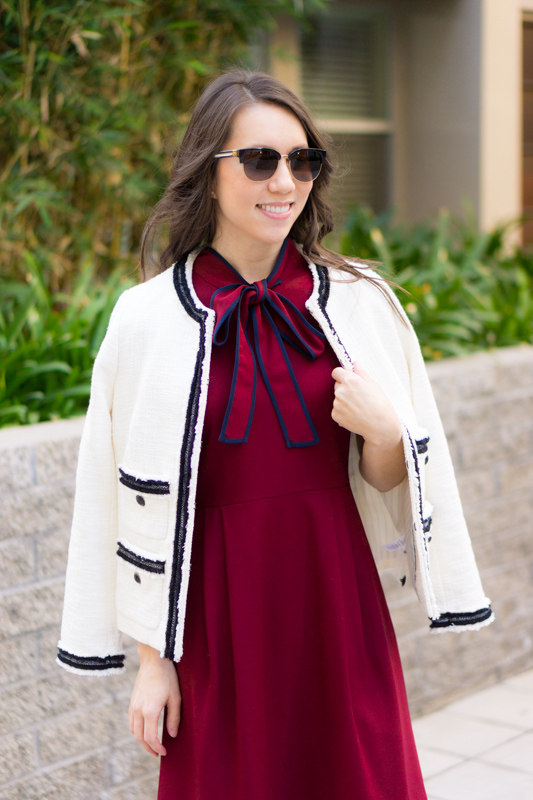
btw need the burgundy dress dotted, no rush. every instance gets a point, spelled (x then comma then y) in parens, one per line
(291, 682)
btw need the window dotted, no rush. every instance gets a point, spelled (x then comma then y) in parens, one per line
(344, 80)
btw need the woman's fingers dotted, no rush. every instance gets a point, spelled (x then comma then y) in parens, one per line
(156, 686)
(173, 713)
(360, 405)
(141, 730)
(339, 374)
(358, 370)
(151, 719)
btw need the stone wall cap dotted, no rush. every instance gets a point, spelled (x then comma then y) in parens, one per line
(520, 353)
(20, 435)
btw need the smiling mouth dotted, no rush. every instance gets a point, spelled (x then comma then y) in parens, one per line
(275, 209)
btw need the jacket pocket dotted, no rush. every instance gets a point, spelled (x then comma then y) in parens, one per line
(143, 505)
(140, 582)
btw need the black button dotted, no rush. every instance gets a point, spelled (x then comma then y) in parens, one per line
(140, 499)
(137, 577)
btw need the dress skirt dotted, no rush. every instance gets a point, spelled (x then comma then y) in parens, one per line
(291, 681)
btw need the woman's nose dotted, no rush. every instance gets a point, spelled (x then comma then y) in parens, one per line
(282, 180)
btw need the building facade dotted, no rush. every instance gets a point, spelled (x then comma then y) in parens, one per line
(430, 102)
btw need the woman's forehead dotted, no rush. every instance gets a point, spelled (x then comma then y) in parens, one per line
(266, 125)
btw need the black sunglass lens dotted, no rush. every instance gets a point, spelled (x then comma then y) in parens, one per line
(260, 165)
(306, 165)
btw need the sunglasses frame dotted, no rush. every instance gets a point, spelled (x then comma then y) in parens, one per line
(241, 155)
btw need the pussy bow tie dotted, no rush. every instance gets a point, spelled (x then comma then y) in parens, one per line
(265, 322)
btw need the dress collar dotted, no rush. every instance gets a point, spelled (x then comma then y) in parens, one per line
(263, 322)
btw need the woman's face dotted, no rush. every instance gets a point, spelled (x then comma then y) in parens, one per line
(250, 212)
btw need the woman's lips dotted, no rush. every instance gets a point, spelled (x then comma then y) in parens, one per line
(276, 210)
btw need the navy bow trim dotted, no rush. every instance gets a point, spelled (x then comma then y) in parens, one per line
(265, 322)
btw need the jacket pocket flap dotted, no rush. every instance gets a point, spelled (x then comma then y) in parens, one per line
(143, 505)
(140, 560)
(148, 485)
(140, 587)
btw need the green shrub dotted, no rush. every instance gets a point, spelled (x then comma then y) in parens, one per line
(48, 342)
(464, 290)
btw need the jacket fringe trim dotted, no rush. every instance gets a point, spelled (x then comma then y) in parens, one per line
(149, 486)
(322, 299)
(462, 621)
(421, 525)
(91, 673)
(101, 665)
(149, 564)
(178, 592)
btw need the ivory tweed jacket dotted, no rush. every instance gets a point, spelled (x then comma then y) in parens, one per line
(130, 550)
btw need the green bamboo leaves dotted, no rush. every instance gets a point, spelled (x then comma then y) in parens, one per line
(95, 94)
(94, 97)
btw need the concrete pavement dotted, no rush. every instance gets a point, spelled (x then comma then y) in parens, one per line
(480, 747)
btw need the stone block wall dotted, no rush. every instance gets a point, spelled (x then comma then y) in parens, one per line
(486, 404)
(64, 737)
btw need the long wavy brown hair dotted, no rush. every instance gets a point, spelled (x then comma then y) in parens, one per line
(187, 210)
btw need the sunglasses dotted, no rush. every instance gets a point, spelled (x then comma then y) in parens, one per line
(260, 163)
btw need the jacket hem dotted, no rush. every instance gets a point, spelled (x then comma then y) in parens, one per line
(86, 665)
(466, 621)
(91, 673)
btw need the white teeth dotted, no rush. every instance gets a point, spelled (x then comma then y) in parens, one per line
(276, 209)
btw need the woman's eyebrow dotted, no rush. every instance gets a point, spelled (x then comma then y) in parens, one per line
(271, 147)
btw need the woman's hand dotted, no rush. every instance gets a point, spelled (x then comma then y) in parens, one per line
(361, 406)
(156, 686)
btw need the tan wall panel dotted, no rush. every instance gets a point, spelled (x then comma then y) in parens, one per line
(501, 110)
(285, 62)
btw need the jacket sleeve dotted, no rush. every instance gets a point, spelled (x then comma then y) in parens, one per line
(455, 581)
(90, 641)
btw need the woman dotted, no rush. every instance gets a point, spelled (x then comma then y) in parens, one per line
(271, 398)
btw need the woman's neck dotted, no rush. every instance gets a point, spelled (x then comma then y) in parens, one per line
(254, 263)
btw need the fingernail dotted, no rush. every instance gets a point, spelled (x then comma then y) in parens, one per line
(173, 732)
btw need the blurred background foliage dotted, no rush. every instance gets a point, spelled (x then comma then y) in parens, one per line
(464, 290)
(95, 95)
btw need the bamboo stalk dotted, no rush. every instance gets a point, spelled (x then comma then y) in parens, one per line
(24, 24)
(19, 152)
(30, 66)
(117, 228)
(125, 54)
(45, 108)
